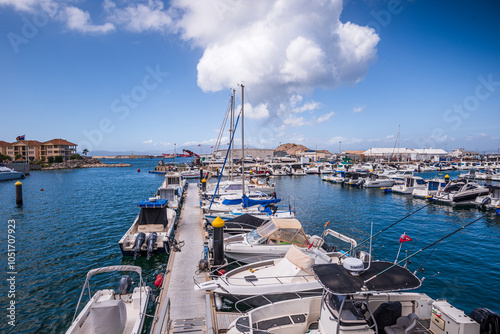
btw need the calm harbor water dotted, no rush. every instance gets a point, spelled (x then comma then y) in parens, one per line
(74, 225)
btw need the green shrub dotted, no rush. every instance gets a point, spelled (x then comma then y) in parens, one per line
(75, 156)
(58, 158)
(50, 160)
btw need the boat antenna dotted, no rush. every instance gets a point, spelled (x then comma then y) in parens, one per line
(400, 220)
(422, 249)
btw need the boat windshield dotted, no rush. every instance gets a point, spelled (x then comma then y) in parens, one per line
(254, 238)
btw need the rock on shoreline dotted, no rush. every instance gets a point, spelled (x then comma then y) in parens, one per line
(83, 163)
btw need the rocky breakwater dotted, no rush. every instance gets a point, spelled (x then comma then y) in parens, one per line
(83, 163)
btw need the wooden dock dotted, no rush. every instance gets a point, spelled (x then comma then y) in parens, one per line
(181, 309)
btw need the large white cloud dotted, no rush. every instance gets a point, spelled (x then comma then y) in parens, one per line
(277, 48)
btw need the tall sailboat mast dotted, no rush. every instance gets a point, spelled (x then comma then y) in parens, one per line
(231, 130)
(243, 138)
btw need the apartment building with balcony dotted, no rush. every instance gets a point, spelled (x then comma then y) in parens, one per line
(31, 150)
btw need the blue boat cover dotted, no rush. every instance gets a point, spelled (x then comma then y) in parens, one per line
(159, 203)
(232, 201)
(247, 202)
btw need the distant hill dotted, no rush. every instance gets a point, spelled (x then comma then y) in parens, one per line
(294, 149)
(291, 149)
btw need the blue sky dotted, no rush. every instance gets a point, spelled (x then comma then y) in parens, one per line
(141, 76)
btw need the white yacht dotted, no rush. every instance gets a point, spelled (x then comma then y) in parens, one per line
(109, 311)
(378, 181)
(432, 187)
(274, 280)
(460, 191)
(172, 189)
(410, 183)
(269, 241)
(491, 201)
(9, 174)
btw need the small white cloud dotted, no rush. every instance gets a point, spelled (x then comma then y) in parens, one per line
(325, 117)
(387, 138)
(294, 121)
(258, 112)
(149, 141)
(140, 17)
(309, 106)
(79, 20)
(20, 5)
(495, 137)
(358, 109)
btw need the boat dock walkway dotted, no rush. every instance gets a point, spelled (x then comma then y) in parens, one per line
(180, 308)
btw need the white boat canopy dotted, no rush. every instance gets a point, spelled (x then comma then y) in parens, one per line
(284, 231)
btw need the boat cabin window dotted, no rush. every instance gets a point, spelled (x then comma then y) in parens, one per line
(254, 238)
(420, 181)
(173, 180)
(233, 187)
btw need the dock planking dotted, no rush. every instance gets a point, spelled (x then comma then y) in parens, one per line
(188, 308)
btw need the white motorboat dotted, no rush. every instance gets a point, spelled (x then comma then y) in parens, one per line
(401, 174)
(410, 183)
(251, 202)
(151, 231)
(270, 241)
(190, 173)
(491, 201)
(278, 279)
(172, 189)
(9, 174)
(377, 181)
(432, 187)
(460, 191)
(358, 300)
(110, 312)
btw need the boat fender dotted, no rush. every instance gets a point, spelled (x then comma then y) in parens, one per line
(125, 284)
(138, 169)
(159, 280)
(151, 243)
(139, 240)
(218, 301)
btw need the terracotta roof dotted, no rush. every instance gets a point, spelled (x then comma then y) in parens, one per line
(26, 143)
(4, 143)
(59, 141)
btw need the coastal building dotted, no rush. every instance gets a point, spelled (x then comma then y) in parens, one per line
(31, 150)
(404, 154)
(250, 153)
(316, 155)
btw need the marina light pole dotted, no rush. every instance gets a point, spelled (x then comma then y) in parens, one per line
(339, 148)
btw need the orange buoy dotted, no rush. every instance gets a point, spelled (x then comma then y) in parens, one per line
(42, 189)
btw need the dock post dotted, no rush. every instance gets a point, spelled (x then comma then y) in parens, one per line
(19, 193)
(204, 185)
(446, 178)
(218, 225)
(201, 173)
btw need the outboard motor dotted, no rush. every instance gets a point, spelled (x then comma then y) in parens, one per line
(151, 243)
(361, 182)
(141, 237)
(484, 202)
(124, 285)
(488, 320)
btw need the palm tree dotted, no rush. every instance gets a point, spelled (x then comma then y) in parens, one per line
(85, 151)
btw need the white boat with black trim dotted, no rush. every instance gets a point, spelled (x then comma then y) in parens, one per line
(108, 311)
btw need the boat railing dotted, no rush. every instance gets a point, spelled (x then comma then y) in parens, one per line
(265, 300)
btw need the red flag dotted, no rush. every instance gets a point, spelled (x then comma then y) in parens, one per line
(199, 144)
(404, 238)
(211, 147)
